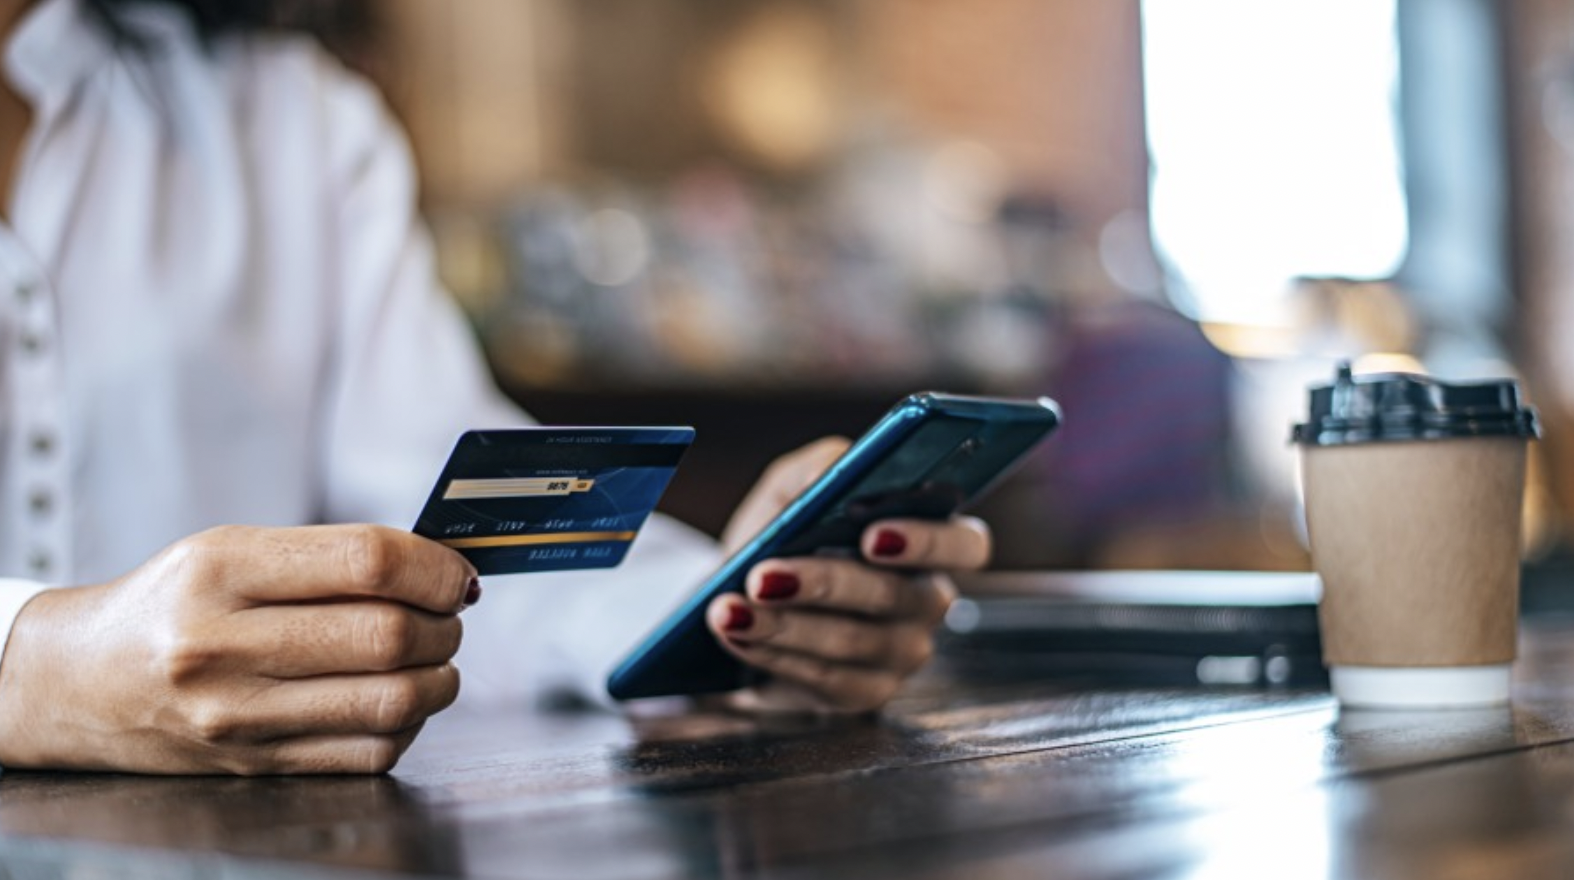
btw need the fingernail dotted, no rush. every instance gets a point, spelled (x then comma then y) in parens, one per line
(472, 592)
(779, 585)
(889, 543)
(738, 617)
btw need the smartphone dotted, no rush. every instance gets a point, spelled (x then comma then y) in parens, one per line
(928, 457)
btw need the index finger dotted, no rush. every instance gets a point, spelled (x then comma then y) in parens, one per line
(845, 585)
(961, 543)
(323, 563)
(783, 480)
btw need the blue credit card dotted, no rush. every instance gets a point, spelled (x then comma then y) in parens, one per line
(550, 499)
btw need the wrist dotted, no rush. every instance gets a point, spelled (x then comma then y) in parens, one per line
(43, 657)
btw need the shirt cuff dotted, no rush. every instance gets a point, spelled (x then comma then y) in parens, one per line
(14, 596)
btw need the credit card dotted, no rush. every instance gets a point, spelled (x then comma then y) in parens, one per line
(550, 499)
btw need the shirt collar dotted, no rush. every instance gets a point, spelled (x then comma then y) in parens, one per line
(55, 45)
(59, 43)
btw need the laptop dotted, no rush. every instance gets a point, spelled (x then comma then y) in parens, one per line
(1203, 627)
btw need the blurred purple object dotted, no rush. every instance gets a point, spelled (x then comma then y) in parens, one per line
(1147, 432)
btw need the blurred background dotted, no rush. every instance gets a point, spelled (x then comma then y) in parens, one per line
(772, 218)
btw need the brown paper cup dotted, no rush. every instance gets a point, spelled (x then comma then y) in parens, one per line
(1417, 544)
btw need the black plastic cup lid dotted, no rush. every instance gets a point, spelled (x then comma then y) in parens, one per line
(1392, 407)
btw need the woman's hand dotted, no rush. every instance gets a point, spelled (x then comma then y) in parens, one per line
(840, 634)
(241, 650)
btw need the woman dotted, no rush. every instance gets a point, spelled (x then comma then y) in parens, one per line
(219, 308)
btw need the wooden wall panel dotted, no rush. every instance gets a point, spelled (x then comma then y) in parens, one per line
(1540, 94)
(1053, 86)
(498, 93)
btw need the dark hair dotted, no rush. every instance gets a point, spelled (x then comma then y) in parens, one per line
(345, 26)
(211, 16)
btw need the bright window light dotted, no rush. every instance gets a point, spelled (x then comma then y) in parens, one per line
(1273, 137)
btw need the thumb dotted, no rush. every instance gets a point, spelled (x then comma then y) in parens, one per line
(784, 480)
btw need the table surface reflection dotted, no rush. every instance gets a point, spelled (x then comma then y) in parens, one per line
(1018, 776)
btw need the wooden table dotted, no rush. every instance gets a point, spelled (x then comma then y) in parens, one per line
(977, 779)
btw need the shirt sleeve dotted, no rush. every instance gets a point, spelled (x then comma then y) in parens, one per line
(410, 379)
(409, 376)
(544, 637)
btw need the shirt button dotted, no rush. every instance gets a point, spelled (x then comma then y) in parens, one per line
(32, 343)
(40, 502)
(41, 443)
(25, 290)
(39, 563)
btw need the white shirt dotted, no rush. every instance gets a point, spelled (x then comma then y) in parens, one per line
(217, 306)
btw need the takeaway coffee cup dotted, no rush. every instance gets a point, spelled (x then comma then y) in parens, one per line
(1413, 492)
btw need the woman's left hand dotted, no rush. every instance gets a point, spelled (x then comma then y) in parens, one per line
(840, 634)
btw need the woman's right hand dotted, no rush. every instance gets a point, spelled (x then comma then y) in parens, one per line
(240, 650)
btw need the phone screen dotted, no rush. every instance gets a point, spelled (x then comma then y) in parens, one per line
(945, 463)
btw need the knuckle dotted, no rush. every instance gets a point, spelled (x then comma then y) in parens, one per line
(891, 645)
(820, 583)
(818, 635)
(769, 626)
(378, 755)
(777, 467)
(201, 557)
(213, 722)
(247, 763)
(885, 596)
(184, 660)
(862, 694)
(764, 657)
(984, 540)
(925, 544)
(450, 686)
(827, 448)
(370, 556)
(395, 705)
(882, 692)
(208, 539)
(440, 690)
(944, 592)
(782, 474)
(799, 466)
(386, 635)
(916, 652)
(453, 630)
(822, 677)
(843, 583)
(869, 645)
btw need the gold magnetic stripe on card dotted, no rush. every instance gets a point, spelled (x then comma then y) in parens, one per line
(522, 540)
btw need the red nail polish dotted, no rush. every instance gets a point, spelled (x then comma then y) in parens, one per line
(779, 585)
(738, 617)
(889, 543)
(472, 592)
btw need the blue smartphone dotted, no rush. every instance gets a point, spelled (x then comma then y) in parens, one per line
(927, 457)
